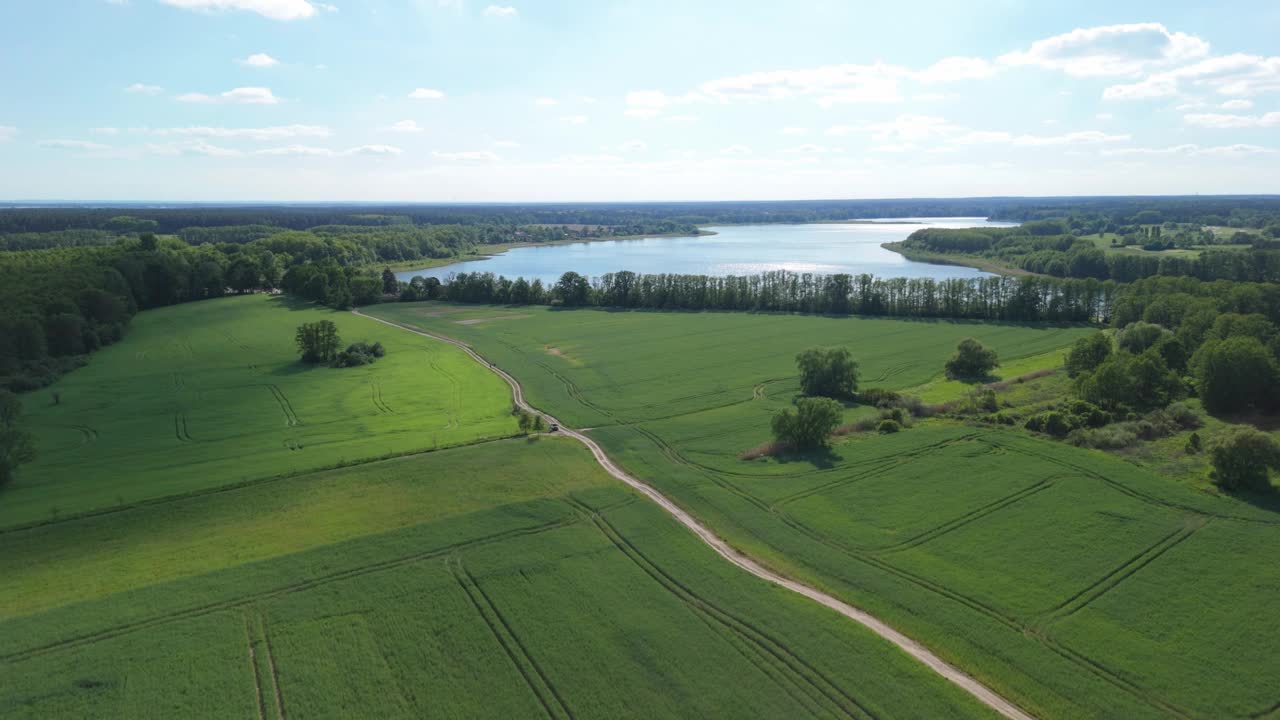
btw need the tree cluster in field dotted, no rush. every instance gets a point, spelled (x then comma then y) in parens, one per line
(318, 343)
(972, 361)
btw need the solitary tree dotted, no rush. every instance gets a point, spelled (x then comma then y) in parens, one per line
(810, 425)
(828, 372)
(16, 447)
(1243, 458)
(390, 286)
(318, 341)
(971, 361)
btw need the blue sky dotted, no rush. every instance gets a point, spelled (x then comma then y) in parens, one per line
(559, 100)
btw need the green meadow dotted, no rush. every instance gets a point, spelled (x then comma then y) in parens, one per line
(1070, 581)
(210, 394)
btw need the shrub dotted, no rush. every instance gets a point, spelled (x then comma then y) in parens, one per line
(1242, 459)
(1052, 423)
(888, 426)
(879, 397)
(1193, 445)
(1111, 437)
(358, 354)
(971, 361)
(809, 425)
(1234, 374)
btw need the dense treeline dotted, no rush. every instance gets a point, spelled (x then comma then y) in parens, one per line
(59, 238)
(1025, 299)
(1048, 247)
(647, 218)
(63, 303)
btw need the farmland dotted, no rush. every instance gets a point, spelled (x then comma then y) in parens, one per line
(1063, 578)
(505, 579)
(206, 395)
(495, 578)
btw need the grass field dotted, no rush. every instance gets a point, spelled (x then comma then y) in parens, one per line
(208, 394)
(1063, 578)
(505, 579)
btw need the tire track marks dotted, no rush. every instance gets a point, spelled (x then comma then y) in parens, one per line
(286, 408)
(534, 677)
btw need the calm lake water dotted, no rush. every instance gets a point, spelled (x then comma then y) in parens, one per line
(735, 250)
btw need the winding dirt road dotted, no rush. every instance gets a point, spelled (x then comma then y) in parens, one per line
(984, 694)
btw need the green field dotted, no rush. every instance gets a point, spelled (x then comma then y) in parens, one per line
(506, 579)
(208, 394)
(1070, 581)
(499, 578)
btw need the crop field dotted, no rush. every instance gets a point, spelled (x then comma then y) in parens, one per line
(1070, 581)
(208, 394)
(504, 579)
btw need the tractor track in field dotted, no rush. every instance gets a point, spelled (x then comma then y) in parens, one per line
(913, 648)
(244, 601)
(180, 428)
(290, 417)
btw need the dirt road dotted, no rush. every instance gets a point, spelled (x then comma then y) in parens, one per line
(964, 681)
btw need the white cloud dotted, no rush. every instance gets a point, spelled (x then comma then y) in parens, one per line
(1237, 105)
(652, 103)
(373, 150)
(426, 94)
(506, 144)
(259, 60)
(794, 131)
(237, 96)
(313, 151)
(502, 12)
(908, 128)
(201, 147)
(406, 126)
(574, 119)
(589, 159)
(736, 150)
(810, 149)
(953, 69)
(545, 102)
(1173, 150)
(141, 89)
(468, 156)
(274, 9)
(105, 131)
(7, 132)
(631, 146)
(1238, 74)
(1193, 150)
(74, 145)
(1085, 137)
(1104, 116)
(830, 84)
(1223, 121)
(1237, 150)
(264, 133)
(1109, 50)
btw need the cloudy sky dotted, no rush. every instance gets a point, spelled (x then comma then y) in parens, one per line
(462, 100)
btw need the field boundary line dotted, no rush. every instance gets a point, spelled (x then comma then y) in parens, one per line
(271, 664)
(916, 650)
(253, 667)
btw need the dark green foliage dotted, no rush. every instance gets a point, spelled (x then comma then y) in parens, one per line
(1088, 353)
(318, 341)
(1130, 382)
(1242, 459)
(16, 446)
(1234, 374)
(390, 286)
(879, 397)
(530, 423)
(1194, 444)
(828, 372)
(1053, 423)
(358, 354)
(972, 361)
(810, 425)
(1139, 336)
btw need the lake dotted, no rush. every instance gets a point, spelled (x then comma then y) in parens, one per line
(823, 249)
